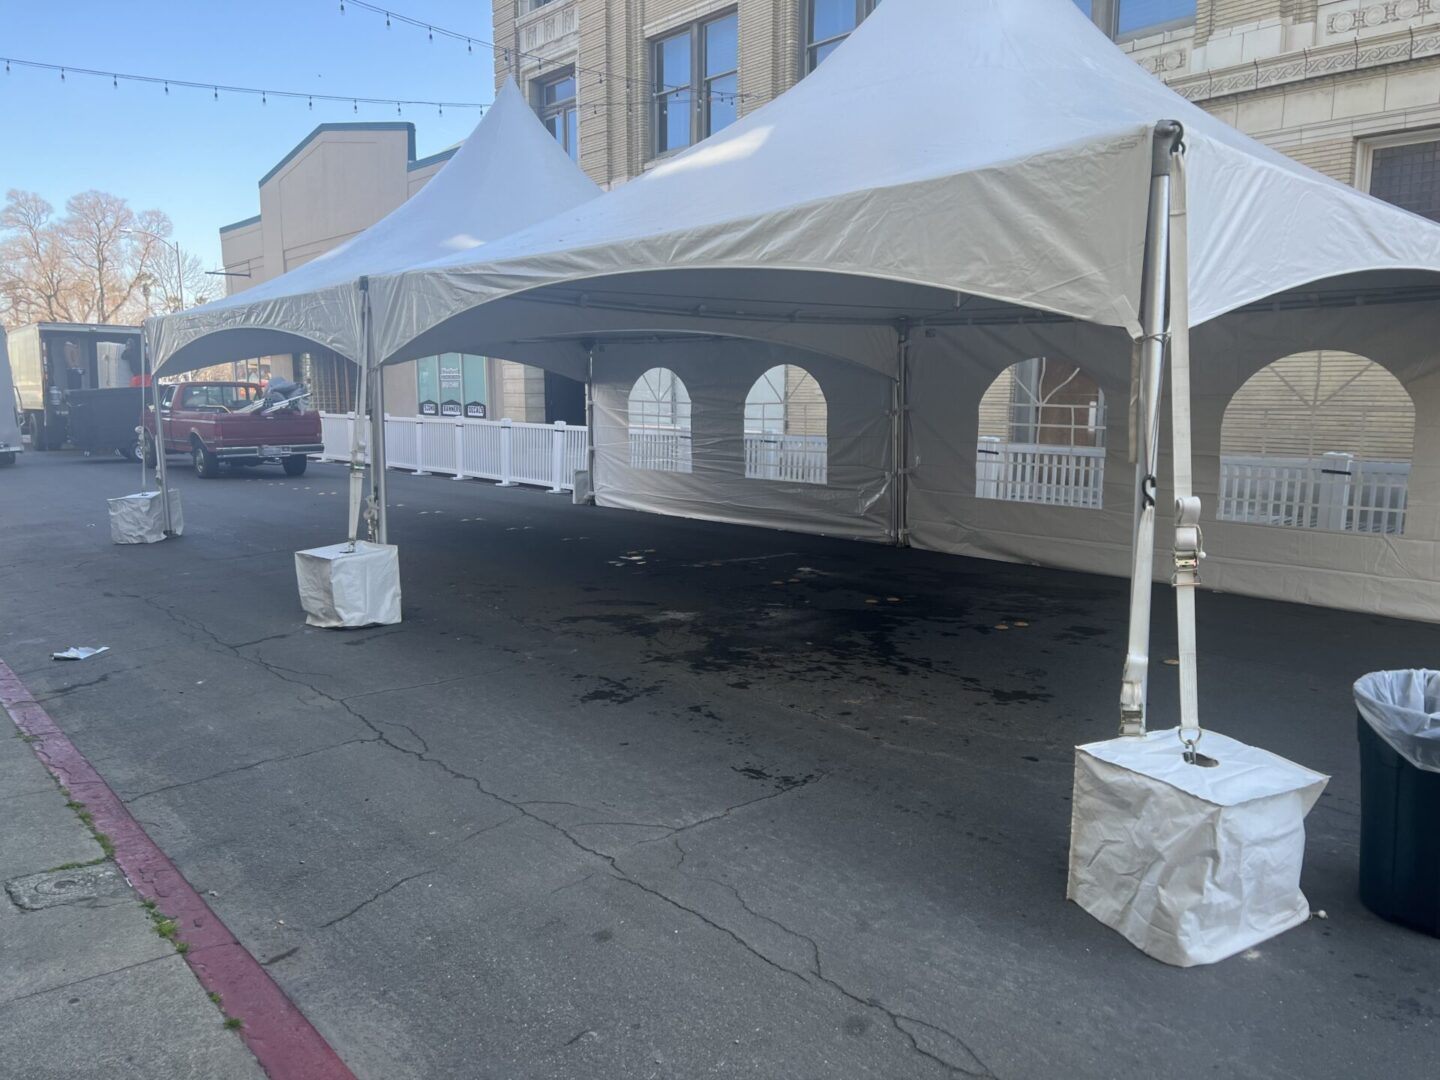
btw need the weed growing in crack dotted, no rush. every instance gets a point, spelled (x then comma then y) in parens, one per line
(214, 997)
(166, 927)
(88, 820)
(234, 1023)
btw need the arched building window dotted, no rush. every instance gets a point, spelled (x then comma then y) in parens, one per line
(660, 422)
(1318, 440)
(1042, 436)
(786, 427)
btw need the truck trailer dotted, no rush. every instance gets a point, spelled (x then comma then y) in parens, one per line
(78, 384)
(11, 443)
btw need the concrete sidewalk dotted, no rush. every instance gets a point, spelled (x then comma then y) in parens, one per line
(88, 987)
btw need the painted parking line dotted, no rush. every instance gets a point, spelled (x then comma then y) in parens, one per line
(285, 1044)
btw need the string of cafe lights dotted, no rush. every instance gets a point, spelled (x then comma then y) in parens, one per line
(216, 89)
(506, 54)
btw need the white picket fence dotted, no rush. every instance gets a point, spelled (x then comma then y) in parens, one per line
(1036, 473)
(660, 449)
(507, 451)
(800, 459)
(1337, 492)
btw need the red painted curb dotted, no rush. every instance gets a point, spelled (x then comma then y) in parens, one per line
(286, 1045)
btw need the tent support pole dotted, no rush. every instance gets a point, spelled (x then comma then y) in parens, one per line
(161, 476)
(1152, 380)
(362, 400)
(590, 412)
(378, 493)
(900, 435)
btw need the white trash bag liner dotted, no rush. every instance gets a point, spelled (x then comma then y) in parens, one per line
(344, 588)
(1189, 864)
(1403, 708)
(140, 518)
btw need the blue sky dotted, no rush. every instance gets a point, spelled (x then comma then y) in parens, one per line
(198, 159)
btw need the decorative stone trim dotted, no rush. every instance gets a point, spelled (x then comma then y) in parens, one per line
(1344, 22)
(1292, 68)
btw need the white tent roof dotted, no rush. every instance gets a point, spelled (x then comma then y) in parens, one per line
(510, 173)
(999, 149)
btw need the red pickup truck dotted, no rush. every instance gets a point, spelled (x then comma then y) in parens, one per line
(237, 423)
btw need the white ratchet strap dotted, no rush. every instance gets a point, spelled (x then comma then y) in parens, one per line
(1189, 547)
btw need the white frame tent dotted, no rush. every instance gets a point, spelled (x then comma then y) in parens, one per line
(508, 174)
(1025, 212)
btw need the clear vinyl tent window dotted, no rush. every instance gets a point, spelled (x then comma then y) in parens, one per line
(659, 421)
(1318, 440)
(1042, 436)
(787, 427)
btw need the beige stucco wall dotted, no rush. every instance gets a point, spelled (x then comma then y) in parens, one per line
(314, 202)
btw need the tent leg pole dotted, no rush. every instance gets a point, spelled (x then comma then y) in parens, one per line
(362, 401)
(161, 476)
(900, 435)
(590, 413)
(377, 458)
(1134, 685)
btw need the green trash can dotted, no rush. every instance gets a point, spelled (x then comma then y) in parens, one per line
(1399, 729)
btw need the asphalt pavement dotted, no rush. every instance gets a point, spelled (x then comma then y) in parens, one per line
(629, 797)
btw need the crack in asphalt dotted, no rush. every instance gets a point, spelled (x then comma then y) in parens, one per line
(371, 899)
(131, 799)
(281, 956)
(897, 1020)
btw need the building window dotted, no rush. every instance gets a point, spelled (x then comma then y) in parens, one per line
(828, 23)
(696, 82)
(451, 384)
(1405, 170)
(556, 105)
(1129, 18)
(786, 427)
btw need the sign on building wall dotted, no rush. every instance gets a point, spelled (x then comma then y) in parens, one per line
(452, 384)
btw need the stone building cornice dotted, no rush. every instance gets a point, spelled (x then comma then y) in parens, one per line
(1341, 58)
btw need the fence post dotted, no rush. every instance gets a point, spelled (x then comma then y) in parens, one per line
(557, 459)
(459, 450)
(420, 469)
(987, 467)
(1333, 491)
(506, 432)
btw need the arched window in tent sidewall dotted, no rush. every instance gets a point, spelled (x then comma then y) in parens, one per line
(1042, 436)
(1318, 440)
(787, 427)
(660, 422)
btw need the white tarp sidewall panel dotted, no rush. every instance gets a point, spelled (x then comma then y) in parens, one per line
(856, 499)
(1390, 574)
(949, 373)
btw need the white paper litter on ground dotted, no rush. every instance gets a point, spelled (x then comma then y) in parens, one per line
(344, 588)
(1403, 708)
(140, 518)
(1189, 864)
(79, 652)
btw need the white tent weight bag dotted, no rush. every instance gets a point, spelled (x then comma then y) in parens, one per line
(1189, 864)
